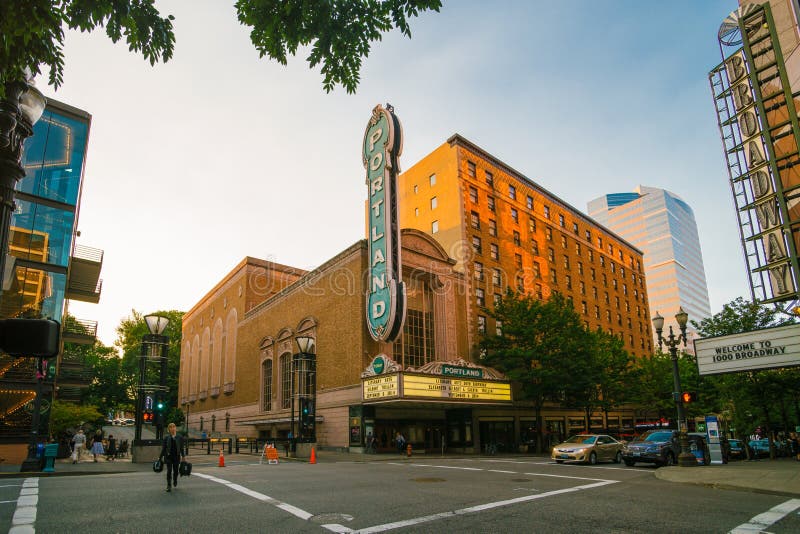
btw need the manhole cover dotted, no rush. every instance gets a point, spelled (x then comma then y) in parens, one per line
(331, 518)
(520, 480)
(427, 479)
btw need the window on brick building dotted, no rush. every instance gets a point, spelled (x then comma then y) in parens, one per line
(480, 297)
(490, 203)
(512, 192)
(515, 215)
(563, 241)
(496, 278)
(434, 203)
(285, 363)
(575, 228)
(476, 244)
(580, 268)
(566, 261)
(568, 281)
(584, 308)
(475, 220)
(473, 195)
(537, 271)
(489, 178)
(529, 202)
(546, 212)
(516, 238)
(478, 270)
(435, 227)
(551, 254)
(518, 260)
(583, 287)
(266, 385)
(548, 233)
(494, 251)
(535, 247)
(432, 180)
(532, 225)
(471, 169)
(481, 324)
(561, 222)
(492, 227)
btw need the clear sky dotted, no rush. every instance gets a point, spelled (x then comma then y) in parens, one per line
(217, 154)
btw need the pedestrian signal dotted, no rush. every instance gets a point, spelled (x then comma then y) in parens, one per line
(689, 396)
(147, 416)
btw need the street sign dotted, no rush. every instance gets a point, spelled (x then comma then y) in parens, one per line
(148, 402)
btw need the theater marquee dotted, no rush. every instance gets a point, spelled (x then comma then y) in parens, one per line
(384, 380)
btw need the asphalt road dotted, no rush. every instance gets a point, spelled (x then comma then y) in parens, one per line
(461, 495)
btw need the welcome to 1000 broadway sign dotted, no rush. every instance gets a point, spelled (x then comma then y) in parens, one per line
(759, 349)
(386, 295)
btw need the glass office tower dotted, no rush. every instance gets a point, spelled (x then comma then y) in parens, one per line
(45, 268)
(663, 227)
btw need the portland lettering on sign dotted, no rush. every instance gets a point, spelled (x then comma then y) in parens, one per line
(386, 293)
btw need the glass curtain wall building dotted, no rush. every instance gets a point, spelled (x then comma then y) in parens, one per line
(45, 268)
(664, 228)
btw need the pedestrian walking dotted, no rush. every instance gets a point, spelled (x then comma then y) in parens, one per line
(78, 443)
(97, 445)
(401, 442)
(172, 454)
(111, 451)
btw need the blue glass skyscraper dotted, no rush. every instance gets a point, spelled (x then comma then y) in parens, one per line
(663, 226)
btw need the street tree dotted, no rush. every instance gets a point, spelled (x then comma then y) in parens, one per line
(67, 416)
(129, 342)
(545, 348)
(339, 33)
(615, 365)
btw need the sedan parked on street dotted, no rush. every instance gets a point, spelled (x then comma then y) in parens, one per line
(589, 448)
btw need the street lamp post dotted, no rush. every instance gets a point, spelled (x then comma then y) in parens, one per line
(22, 106)
(685, 458)
(302, 369)
(154, 349)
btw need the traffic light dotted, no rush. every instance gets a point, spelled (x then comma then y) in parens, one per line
(689, 396)
(147, 416)
(159, 415)
(307, 416)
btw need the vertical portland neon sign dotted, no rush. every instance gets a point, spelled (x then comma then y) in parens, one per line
(386, 295)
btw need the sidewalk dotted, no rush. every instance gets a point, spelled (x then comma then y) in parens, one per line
(777, 477)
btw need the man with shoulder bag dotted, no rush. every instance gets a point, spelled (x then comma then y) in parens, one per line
(172, 454)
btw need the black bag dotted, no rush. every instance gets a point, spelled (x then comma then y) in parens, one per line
(185, 469)
(158, 465)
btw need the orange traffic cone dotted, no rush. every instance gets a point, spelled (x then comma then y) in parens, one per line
(313, 459)
(221, 459)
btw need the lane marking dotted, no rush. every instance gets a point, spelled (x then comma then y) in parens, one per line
(25, 514)
(478, 508)
(3, 502)
(773, 515)
(294, 510)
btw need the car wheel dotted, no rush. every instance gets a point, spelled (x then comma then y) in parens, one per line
(559, 461)
(629, 463)
(670, 459)
(618, 457)
(592, 458)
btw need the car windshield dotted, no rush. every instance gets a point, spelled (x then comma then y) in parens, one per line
(657, 436)
(585, 440)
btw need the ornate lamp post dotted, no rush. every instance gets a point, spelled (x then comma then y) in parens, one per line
(154, 349)
(22, 106)
(303, 371)
(685, 458)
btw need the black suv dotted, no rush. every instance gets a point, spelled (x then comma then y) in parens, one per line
(660, 447)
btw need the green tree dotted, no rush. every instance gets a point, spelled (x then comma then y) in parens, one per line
(107, 390)
(129, 341)
(66, 415)
(615, 364)
(544, 348)
(339, 33)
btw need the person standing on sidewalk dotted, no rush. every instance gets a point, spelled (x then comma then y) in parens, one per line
(78, 442)
(172, 454)
(97, 445)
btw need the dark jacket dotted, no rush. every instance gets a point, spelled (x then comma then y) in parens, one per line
(167, 451)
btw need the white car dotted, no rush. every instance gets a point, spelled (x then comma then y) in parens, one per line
(128, 422)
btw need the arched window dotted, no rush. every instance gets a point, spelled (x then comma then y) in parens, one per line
(417, 345)
(216, 355)
(205, 362)
(266, 385)
(229, 349)
(286, 380)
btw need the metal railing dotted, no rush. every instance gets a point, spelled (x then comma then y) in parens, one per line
(82, 252)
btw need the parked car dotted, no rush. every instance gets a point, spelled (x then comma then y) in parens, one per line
(661, 447)
(736, 447)
(128, 422)
(760, 447)
(589, 448)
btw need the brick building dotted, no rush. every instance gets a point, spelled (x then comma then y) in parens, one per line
(506, 230)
